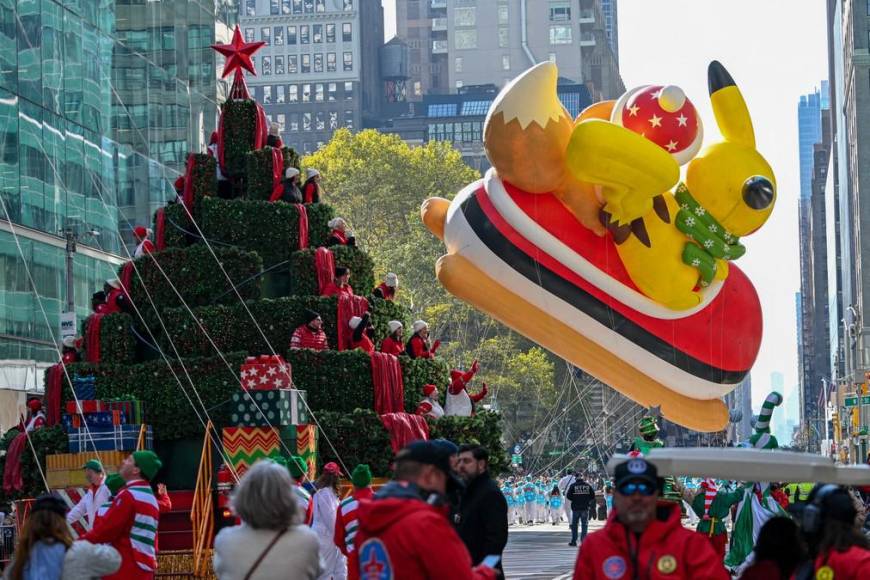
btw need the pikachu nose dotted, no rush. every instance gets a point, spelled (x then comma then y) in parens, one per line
(758, 192)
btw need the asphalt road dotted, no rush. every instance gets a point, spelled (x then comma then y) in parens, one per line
(541, 552)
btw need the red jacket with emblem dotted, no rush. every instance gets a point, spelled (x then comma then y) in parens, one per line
(852, 564)
(401, 536)
(665, 550)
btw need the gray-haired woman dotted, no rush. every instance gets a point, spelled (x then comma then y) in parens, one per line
(267, 544)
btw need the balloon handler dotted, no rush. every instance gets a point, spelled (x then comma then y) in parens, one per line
(583, 239)
(643, 444)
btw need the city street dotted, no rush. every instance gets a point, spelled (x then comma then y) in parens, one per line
(541, 552)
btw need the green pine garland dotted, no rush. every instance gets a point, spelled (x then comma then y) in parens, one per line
(117, 344)
(259, 171)
(362, 278)
(240, 123)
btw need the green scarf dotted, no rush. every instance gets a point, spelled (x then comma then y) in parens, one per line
(708, 239)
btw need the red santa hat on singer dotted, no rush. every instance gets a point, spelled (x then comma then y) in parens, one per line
(141, 232)
(663, 115)
(428, 390)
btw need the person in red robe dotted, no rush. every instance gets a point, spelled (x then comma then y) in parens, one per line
(13, 475)
(362, 333)
(340, 235)
(418, 345)
(386, 290)
(430, 406)
(312, 190)
(116, 298)
(145, 245)
(98, 302)
(310, 335)
(339, 284)
(274, 137)
(70, 350)
(393, 343)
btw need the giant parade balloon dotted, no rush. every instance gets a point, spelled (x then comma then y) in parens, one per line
(584, 238)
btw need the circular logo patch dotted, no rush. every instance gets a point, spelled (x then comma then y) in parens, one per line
(613, 567)
(666, 564)
(825, 573)
(374, 561)
(636, 466)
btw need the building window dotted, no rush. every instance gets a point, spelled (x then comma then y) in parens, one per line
(458, 64)
(330, 33)
(348, 5)
(466, 39)
(418, 88)
(306, 93)
(318, 92)
(347, 59)
(280, 94)
(333, 119)
(330, 62)
(317, 33)
(504, 37)
(285, 7)
(292, 64)
(441, 110)
(306, 63)
(291, 35)
(306, 121)
(274, 7)
(318, 62)
(251, 7)
(266, 35)
(267, 65)
(504, 14)
(294, 93)
(459, 84)
(303, 34)
(332, 92)
(560, 34)
(279, 65)
(320, 121)
(348, 91)
(320, 5)
(560, 11)
(347, 31)
(465, 16)
(280, 118)
(297, 6)
(309, 6)
(249, 34)
(505, 62)
(278, 35)
(348, 119)
(267, 95)
(294, 122)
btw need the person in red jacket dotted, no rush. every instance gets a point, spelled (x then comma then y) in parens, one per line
(339, 284)
(404, 530)
(386, 290)
(310, 335)
(643, 538)
(69, 352)
(312, 189)
(393, 344)
(116, 298)
(340, 234)
(838, 550)
(347, 517)
(418, 344)
(362, 332)
(145, 245)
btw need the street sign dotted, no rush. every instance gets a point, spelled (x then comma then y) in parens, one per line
(850, 402)
(865, 400)
(67, 324)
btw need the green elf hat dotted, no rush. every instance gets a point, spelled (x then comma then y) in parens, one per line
(148, 463)
(115, 482)
(297, 466)
(94, 465)
(361, 476)
(648, 426)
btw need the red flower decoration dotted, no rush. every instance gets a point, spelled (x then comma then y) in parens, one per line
(238, 53)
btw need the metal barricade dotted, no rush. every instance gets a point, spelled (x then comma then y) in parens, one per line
(7, 544)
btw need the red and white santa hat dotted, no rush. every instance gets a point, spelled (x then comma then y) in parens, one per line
(34, 405)
(428, 390)
(665, 116)
(141, 232)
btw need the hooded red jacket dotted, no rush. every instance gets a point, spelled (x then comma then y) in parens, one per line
(665, 551)
(403, 537)
(851, 564)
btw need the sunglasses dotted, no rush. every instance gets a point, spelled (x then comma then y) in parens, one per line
(632, 488)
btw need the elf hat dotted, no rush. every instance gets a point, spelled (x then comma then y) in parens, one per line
(69, 342)
(141, 232)
(648, 426)
(148, 463)
(311, 172)
(333, 468)
(391, 280)
(291, 173)
(354, 322)
(115, 482)
(429, 389)
(394, 325)
(311, 316)
(93, 465)
(361, 476)
(297, 467)
(419, 325)
(114, 283)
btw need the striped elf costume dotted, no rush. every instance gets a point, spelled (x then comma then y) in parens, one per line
(347, 520)
(130, 523)
(114, 482)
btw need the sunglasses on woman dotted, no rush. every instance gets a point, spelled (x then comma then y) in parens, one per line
(632, 488)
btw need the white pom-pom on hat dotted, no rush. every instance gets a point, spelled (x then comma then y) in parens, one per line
(391, 280)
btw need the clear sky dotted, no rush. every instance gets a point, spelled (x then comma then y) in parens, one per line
(776, 51)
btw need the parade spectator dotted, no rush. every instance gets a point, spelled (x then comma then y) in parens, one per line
(778, 551)
(405, 525)
(291, 192)
(311, 334)
(563, 485)
(325, 502)
(96, 495)
(581, 496)
(339, 284)
(298, 469)
(130, 524)
(347, 517)
(642, 537)
(270, 542)
(363, 331)
(386, 290)
(339, 234)
(608, 499)
(429, 406)
(837, 548)
(483, 523)
(273, 139)
(178, 186)
(312, 189)
(418, 345)
(393, 344)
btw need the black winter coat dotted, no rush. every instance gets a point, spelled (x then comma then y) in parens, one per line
(482, 523)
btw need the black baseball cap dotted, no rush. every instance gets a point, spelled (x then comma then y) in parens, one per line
(427, 453)
(635, 469)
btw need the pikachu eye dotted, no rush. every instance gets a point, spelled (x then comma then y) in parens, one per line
(758, 192)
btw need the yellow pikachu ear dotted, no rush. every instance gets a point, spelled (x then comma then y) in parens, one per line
(730, 109)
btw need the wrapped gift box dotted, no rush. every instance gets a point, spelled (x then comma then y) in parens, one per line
(266, 372)
(85, 388)
(86, 406)
(306, 447)
(108, 438)
(100, 419)
(132, 410)
(247, 445)
(67, 461)
(276, 408)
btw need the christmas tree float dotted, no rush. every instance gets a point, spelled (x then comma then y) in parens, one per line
(199, 330)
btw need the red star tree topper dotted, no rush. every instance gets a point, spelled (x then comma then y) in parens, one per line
(238, 53)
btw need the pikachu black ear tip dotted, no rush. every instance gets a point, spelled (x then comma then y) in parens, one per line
(718, 77)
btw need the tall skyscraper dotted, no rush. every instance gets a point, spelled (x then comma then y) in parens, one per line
(98, 105)
(809, 133)
(319, 69)
(611, 26)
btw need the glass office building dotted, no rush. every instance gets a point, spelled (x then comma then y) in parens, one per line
(100, 101)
